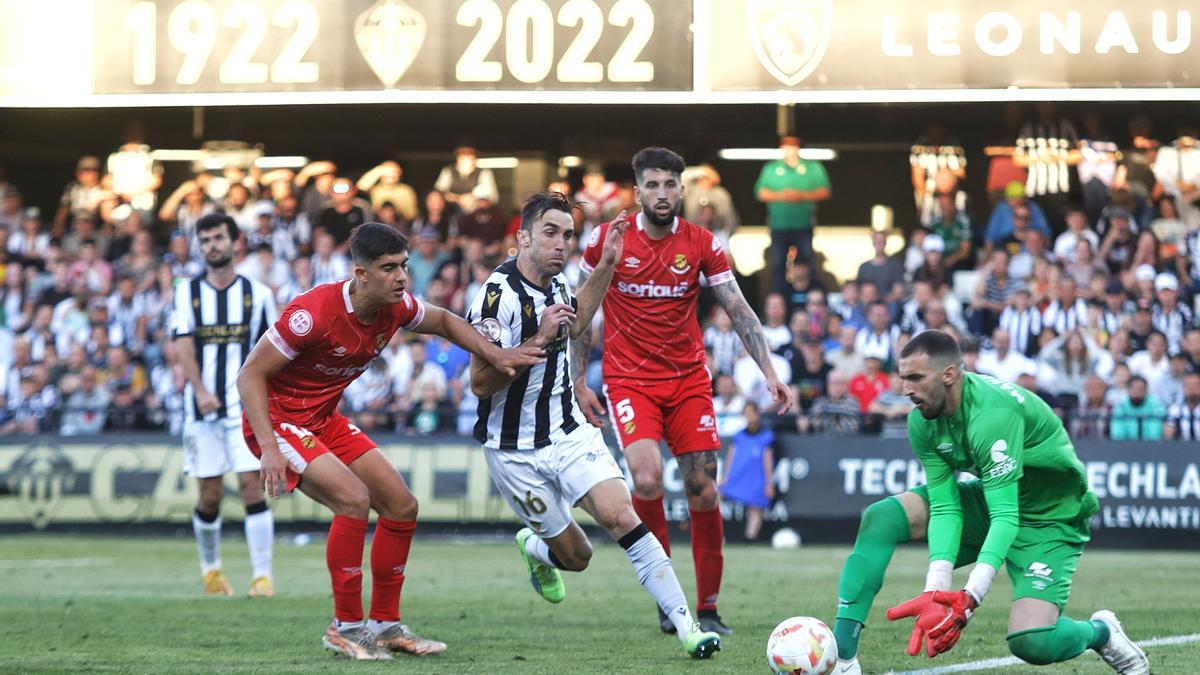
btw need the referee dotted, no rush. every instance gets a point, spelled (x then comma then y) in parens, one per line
(218, 318)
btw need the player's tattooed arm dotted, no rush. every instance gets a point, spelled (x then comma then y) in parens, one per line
(746, 324)
(580, 349)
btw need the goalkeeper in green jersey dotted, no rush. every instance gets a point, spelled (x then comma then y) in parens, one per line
(1027, 509)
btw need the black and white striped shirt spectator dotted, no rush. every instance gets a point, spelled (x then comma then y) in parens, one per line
(1169, 316)
(1183, 417)
(1024, 327)
(1065, 317)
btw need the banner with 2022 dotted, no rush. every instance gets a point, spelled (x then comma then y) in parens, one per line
(1149, 493)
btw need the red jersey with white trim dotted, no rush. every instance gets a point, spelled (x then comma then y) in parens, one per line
(329, 348)
(650, 327)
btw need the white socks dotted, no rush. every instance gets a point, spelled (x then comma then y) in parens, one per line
(655, 574)
(208, 541)
(260, 537)
(539, 551)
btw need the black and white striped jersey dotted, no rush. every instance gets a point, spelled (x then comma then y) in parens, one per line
(225, 325)
(538, 408)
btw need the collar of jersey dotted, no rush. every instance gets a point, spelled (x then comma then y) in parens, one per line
(641, 215)
(346, 297)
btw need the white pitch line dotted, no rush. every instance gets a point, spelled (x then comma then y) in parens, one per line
(989, 664)
(54, 562)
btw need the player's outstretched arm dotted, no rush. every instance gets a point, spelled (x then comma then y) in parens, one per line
(487, 379)
(581, 348)
(745, 322)
(438, 321)
(593, 286)
(264, 361)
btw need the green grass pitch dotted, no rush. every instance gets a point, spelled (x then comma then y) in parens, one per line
(83, 603)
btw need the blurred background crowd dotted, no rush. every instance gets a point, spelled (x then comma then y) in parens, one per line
(1076, 275)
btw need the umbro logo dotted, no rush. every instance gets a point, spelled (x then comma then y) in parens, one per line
(945, 447)
(339, 352)
(632, 262)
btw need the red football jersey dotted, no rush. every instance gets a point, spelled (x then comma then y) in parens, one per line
(650, 327)
(329, 347)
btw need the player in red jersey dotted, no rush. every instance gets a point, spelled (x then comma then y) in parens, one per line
(655, 376)
(291, 386)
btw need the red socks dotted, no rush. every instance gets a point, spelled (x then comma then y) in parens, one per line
(708, 537)
(389, 555)
(343, 556)
(655, 519)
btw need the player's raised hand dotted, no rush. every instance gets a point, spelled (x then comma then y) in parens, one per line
(782, 394)
(614, 241)
(554, 318)
(272, 473)
(508, 360)
(589, 403)
(929, 615)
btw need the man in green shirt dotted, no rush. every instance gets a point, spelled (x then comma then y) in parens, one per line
(1028, 509)
(791, 188)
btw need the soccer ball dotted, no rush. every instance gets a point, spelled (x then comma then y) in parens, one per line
(802, 645)
(785, 539)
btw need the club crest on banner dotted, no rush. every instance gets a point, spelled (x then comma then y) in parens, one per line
(790, 36)
(389, 35)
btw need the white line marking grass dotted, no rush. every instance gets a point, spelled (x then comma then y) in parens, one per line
(989, 664)
(36, 563)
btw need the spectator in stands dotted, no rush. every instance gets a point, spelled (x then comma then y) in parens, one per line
(934, 270)
(1139, 416)
(598, 199)
(850, 307)
(1098, 155)
(704, 191)
(1135, 173)
(268, 230)
(1183, 417)
(892, 408)
(1091, 416)
(1177, 169)
(463, 182)
(84, 228)
(939, 166)
(845, 357)
(368, 399)
(263, 266)
(436, 215)
(424, 261)
(141, 262)
(837, 412)
(1003, 221)
(328, 264)
(314, 183)
(185, 207)
(1066, 244)
(878, 338)
(1023, 322)
(791, 187)
(1168, 388)
(1168, 315)
(84, 195)
(1003, 362)
(485, 223)
(383, 184)
(1191, 349)
(800, 283)
(1117, 246)
(867, 385)
(775, 330)
(1073, 357)
(1152, 362)
(12, 208)
(239, 206)
(1028, 256)
(810, 371)
(882, 270)
(992, 293)
(431, 413)
(721, 342)
(728, 406)
(1047, 147)
(345, 212)
(87, 408)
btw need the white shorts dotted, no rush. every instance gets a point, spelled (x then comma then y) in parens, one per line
(215, 448)
(543, 485)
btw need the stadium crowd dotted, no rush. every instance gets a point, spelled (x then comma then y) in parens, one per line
(1076, 276)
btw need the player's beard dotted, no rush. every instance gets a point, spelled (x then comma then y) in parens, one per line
(222, 262)
(654, 219)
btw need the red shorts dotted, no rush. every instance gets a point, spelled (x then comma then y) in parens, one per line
(301, 446)
(679, 411)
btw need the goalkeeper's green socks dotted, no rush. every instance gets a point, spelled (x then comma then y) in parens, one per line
(1053, 644)
(884, 525)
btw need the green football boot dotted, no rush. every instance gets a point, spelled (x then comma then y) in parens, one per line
(546, 580)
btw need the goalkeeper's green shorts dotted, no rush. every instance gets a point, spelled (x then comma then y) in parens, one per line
(1042, 559)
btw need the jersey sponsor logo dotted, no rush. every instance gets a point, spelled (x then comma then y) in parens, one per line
(790, 36)
(632, 262)
(340, 372)
(681, 264)
(300, 322)
(1002, 464)
(653, 290)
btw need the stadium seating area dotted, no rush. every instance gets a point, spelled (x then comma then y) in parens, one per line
(1092, 304)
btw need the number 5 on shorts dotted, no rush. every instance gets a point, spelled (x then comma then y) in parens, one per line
(624, 411)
